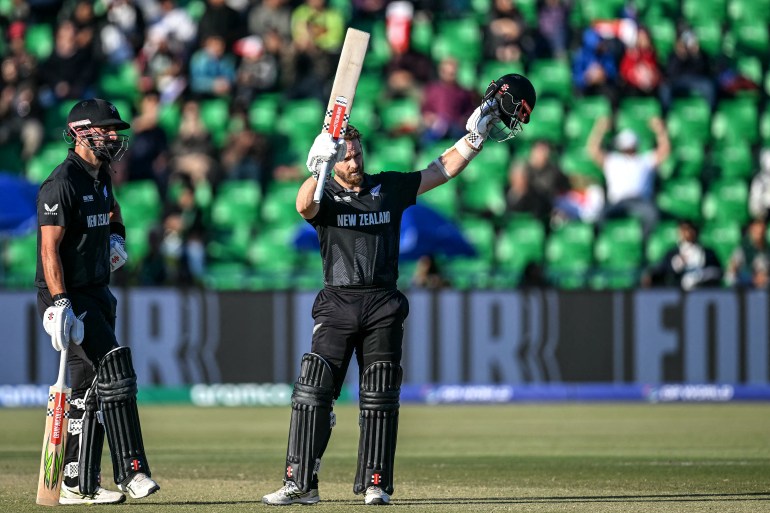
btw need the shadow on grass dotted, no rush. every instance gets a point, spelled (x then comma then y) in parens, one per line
(406, 501)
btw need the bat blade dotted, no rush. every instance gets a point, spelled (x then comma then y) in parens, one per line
(343, 92)
(54, 440)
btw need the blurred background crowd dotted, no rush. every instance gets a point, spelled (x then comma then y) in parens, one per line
(647, 161)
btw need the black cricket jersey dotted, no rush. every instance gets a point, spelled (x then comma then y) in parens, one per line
(80, 199)
(359, 231)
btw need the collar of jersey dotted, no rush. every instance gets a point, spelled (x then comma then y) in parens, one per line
(93, 173)
(368, 184)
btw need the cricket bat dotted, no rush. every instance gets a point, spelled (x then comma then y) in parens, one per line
(55, 438)
(343, 92)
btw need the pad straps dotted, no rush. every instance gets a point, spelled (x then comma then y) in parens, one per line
(91, 444)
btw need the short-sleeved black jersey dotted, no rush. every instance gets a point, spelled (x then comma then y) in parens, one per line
(359, 231)
(80, 199)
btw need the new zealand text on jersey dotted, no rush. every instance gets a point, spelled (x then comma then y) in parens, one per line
(98, 220)
(364, 219)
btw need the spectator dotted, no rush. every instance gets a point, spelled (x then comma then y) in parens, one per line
(535, 184)
(688, 265)
(427, 274)
(23, 61)
(313, 23)
(552, 24)
(175, 28)
(688, 71)
(147, 157)
(246, 156)
(212, 69)
(630, 176)
(69, 72)
(749, 262)
(219, 19)
(259, 69)
(184, 238)
(639, 66)
(122, 37)
(759, 193)
(584, 201)
(19, 111)
(271, 15)
(152, 271)
(594, 69)
(504, 34)
(193, 152)
(446, 105)
(163, 69)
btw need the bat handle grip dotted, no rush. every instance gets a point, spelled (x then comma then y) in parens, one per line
(319, 188)
(61, 380)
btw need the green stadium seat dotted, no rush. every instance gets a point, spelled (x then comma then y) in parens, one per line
(569, 255)
(490, 164)
(39, 40)
(364, 117)
(229, 244)
(263, 113)
(481, 234)
(575, 161)
(680, 198)
(215, 114)
(236, 202)
(548, 124)
(736, 119)
(723, 237)
(551, 77)
(55, 119)
(727, 200)
(140, 202)
(393, 154)
(41, 165)
(734, 160)
(226, 275)
(457, 38)
(663, 34)
(301, 117)
(493, 69)
(120, 82)
(400, 116)
(422, 35)
(689, 118)
(619, 254)
(695, 11)
(687, 158)
(169, 119)
(764, 126)
(521, 241)
(483, 197)
(378, 52)
(749, 10)
(137, 244)
(751, 38)
(710, 36)
(10, 158)
(663, 237)
(750, 67)
(468, 273)
(20, 261)
(269, 251)
(581, 117)
(600, 9)
(279, 205)
(442, 199)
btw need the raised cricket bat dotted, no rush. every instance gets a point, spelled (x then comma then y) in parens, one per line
(343, 92)
(55, 438)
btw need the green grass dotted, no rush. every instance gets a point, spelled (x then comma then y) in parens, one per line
(524, 458)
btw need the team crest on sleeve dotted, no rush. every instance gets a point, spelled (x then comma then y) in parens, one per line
(376, 191)
(51, 211)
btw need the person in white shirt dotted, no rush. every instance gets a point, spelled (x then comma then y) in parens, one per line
(628, 174)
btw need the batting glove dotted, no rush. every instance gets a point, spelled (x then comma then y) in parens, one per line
(325, 151)
(118, 255)
(480, 123)
(60, 323)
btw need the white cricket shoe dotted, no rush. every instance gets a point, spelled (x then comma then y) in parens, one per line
(139, 485)
(289, 493)
(100, 496)
(375, 496)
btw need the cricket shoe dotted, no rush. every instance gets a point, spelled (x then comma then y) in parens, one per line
(72, 495)
(375, 496)
(139, 485)
(291, 494)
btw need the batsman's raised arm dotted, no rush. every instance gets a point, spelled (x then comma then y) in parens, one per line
(509, 100)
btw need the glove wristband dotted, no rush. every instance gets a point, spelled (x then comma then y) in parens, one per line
(465, 148)
(58, 297)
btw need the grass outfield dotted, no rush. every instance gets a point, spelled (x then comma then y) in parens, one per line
(523, 458)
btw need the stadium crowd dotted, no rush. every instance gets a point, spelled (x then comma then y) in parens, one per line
(649, 148)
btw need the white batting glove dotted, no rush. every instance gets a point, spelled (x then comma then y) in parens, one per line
(480, 123)
(118, 255)
(325, 150)
(60, 323)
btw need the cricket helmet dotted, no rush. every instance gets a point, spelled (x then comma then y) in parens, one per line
(515, 97)
(88, 115)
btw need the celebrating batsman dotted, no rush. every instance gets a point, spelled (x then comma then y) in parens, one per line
(360, 310)
(81, 239)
